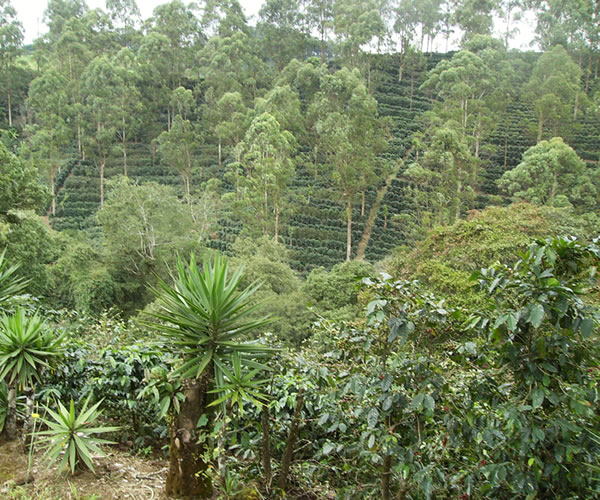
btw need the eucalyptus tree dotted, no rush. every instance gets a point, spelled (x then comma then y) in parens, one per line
(100, 85)
(211, 320)
(447, 173)
(169, 54)
(553, 89)
(350, 134)
(177, 145)
(282, 20)
(474, 17)
(11, 40)
(224, 18)
(356, 24)
(472, 88)
(320, 18)
(265, 170)
(51, 135)
(129, 106)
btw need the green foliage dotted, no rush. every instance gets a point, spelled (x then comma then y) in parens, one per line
(335, 293)
(549, 170)
(74, 435)
(20, 188)
(10, 283)
(27, 347)
(207, 317)
(281, 293)
(445, 259)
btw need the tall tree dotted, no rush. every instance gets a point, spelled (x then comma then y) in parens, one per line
(11, 40)
(266, 168)
(51, 136)
(553, 89)
(350, 134)
(177, 144)
(100, 85)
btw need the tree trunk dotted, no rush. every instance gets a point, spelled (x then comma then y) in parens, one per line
(52, 188)
(9, 110)
(220, 157)
(362, 206)
(576, 109)
(385, 477)
(187, 476)
(124, 143)
(10, 424)
(291, 442)
(102, 182)
(277, 212)
(266, 447)
(540, 127)
(349, 231)
(505, 152)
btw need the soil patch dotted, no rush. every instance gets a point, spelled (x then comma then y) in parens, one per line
(119, 475)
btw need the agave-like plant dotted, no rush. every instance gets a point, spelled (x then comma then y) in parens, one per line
(10, 283)
(27, 347)
(74, 435)
(208, 317)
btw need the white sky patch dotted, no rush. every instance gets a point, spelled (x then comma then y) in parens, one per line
(31, 12)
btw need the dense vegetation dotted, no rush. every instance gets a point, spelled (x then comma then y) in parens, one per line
(307, 257)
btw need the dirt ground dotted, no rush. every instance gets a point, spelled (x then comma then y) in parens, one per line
(119, 475)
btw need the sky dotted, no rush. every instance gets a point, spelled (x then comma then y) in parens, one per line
(31, 12)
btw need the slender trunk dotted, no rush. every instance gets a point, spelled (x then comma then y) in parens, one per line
(10, 424)
(9, 110)
(385, 477)
(277, 212)
(188, 173)
(349, 230)
(220, 157)
(412, 91)
(576, 109)
(187, 476)
(124, 144)
(52, 188)
(266, 447)
(588, 73)
(79, 148)
(102, 182)
(540, 127)
(362, 205)
(291, 442)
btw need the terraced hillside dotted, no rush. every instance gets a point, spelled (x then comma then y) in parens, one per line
(316, 232)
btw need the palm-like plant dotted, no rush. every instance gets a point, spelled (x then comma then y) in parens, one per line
(10, 284)
(209, 319)
(74, 434)
(27, 347)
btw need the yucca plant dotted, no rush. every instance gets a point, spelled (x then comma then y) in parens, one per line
(27, 347)
(209, 319)
(74, 435)
(10, 283)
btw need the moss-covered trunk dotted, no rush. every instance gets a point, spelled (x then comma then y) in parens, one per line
(188, 466)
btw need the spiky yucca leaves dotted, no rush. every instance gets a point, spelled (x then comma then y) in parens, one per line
(74, 434)
(10, 284)
(27, 346)
(208, 318)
